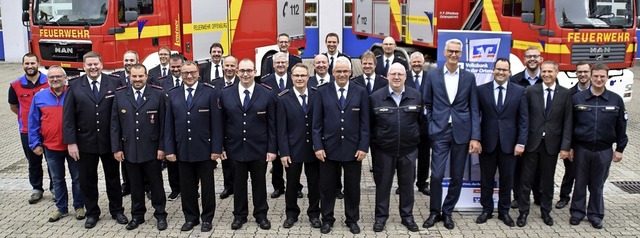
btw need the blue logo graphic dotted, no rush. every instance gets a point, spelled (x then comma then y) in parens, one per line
(141, 24)
(484, 51)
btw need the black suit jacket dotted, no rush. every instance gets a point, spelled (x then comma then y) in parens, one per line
(379, 82)
(248, 134)
(267, 68)
(138, 130)
(273, 81)
(219, 83)
(205, 72)
(294, 126)
(340, 54)
(380, 64)
(125, 81)
(167, 82)
(189, 130)
(313, 81)
(85, 119)
(558, 125)
(508, 126)
(520, 79)
(156, 72)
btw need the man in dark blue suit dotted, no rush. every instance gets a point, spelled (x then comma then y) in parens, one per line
(189, 139)
(162, 69)
(322, 76)
(284, 41)
(86, 117)
(504, 111)
(137, 130)
(370, 78)
(389, 57)
(295, 145)
(416, 78)
(213, 69)
(341, 141)
(331, 41)
(248, 125)
(451, 101)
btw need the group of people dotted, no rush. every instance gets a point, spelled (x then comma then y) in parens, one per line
(192, 115)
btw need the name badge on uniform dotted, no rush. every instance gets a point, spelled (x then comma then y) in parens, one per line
(413, 107)
(109, 96)
(610, 108)
(262, 112)
(384, 109)
(355, 109)
(152, 112)
(203, 110)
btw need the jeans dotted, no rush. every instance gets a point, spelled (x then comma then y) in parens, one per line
(35, 166)
(55, 161)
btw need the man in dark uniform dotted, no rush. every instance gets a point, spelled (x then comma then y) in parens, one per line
(137, 128)
(341, 141)
(163, 68)
(86, 119)
(370, 78)
(583, 73)
(248, 125)
(332, 41)
(389, 57)
(416, 78)
(396, 117)
(504, 122)
(600, 120)
(189, 139)
(214, 69)
(284, 41)
(320, 68)
(130, 58)
(295, 145)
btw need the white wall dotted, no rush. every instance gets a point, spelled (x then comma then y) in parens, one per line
(328, 22)
(15, 34)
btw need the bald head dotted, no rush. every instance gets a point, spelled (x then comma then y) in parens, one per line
(389, 46)
(321, 65)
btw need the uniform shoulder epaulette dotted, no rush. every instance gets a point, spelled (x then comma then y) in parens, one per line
(228, 85)
(346, 55)
(270, 57)
(315, 88)
(174, 87)
(383, 76)
(401, 57)
(283, 92)
(322, 85)
(115, 74)
(209, 85)
(162, 77)
(266, 86)
(266, 75)
(378, 56)
(155, 86)
(357, 83)
(69, 78)
(121, 87)
(297, 56)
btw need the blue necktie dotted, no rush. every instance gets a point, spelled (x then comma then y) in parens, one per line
(500, 97)
(245, 103)
(138, 97)
(342, 98)
(177, 82)
(164, 71)
(386, 67)
(281, 84)
(217, 74)
(369, 89)
(95, 89)
(417, 81)
(331, 65)
(189, 97)
(547, 109)
(304, 102)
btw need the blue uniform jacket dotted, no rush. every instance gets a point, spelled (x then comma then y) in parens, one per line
(294, 126)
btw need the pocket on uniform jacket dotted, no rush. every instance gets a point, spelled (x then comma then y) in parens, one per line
(382, 110)
(412, 108)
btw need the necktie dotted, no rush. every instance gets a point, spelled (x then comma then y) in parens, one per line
(164, 71)
(177, 82)
(245, 103)
(321, 82)
(369, 89)
(342, 98)
(386, 66)
(331, 64)
(229, 83)
(217, 73)
(304, 102)
(417, 81)
(138, 97)
(128, 80)
(547, 109)
(281, 84)
(189, 97)
(94, 88)
(500, 97)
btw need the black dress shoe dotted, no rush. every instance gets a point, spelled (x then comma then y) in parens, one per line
(206, 226)
(596, 224)
(546, 217)
(134, 223)
(325, 228)
(189, 225)
(315, 222)
(425, 191)
(121, 218)
(340, 195)
(448, 221)
(574, 221)
(300, 194)
(91, 222)
(173, 196)
(432, 220)
(397, 190)
(354, 228)
(514, 204)
(264, 224)
(410, 225)
(483, 217)
(562, 203)
(126, 192)
(237, 223)
(507, 220)
(522, 219)
(276, 193)
(378, 226)
(288, 223)
(225, 193)
(162, 224)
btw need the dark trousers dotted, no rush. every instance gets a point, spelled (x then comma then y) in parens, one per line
(139, 173)
(330, 171)
(383, 172)
(424, 160)
(567, 180)
(540, 160)
(192, 173)
(258, 171)
(591, 170)
(227, 174)
(88, 165)
(442, 149)
(174, 176)
(277, 173)
(517, 184)
(312, 170)
(489, 163)
(35, 166)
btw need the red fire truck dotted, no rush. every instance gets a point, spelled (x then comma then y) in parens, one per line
(63, 30)
(565, 31)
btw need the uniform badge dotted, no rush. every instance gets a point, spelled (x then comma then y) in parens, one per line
(152, 116)
(123, 111)
(582, 107)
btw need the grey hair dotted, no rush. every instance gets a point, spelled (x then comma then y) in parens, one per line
(57, 67)
(452, 41)
(281, 54)
(343, 60)
(417, 54)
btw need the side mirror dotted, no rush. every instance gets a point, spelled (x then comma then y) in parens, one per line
(25, 5)
(528, 6)
(130, 16)
(527, 17)
(25, 16)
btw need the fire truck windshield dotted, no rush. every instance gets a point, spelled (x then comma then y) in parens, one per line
(69, 12)
(594, 13)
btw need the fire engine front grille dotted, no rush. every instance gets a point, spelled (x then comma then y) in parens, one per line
(62, 51)
(592, 53)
